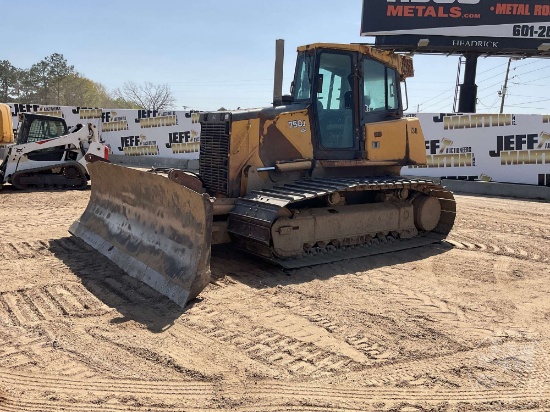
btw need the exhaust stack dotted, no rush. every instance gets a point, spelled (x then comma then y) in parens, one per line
(278, 77)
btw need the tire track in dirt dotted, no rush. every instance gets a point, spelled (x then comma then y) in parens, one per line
(536, 227)
(492, 365)
(535, 252)
(274, 343)
(16, 356)
(369, 345)
(33, 305)
(473, 327)
(467, 324)
(373, 336)
(475, 321)
(39, 248)
(50, 392)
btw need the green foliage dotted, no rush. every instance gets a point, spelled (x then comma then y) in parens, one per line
(8, 80)
(53, 81)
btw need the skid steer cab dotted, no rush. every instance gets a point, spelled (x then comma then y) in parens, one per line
(46, 154)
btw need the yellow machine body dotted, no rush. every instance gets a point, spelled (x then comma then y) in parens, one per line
(312, 179)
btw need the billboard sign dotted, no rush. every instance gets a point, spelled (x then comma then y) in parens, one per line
(460, 25)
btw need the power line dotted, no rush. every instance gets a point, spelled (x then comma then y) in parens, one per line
(536, 70)
(530, 84)
(438, 102)
(540, 78)
(536, 101)
(491, 69)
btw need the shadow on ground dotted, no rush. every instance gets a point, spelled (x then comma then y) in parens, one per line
(257, 273)
(138, 302)
(107, 282)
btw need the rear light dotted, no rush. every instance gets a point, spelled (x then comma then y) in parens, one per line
(106, 154)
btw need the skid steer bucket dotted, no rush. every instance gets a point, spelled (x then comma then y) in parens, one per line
(153, 228)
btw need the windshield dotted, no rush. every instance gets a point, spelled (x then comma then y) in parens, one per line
(34, 129)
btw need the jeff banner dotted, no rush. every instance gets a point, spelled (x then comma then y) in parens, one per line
(492, 147)
(150, 134)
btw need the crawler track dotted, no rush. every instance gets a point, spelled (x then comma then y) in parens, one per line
(71, 175)
(253, 216)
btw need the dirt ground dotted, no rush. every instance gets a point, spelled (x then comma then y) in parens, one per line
(461, 326)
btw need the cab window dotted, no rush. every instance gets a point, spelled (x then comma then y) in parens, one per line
(41, 129)
(380, 87)
(302, 82)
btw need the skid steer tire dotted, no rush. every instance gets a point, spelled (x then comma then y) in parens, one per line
(156, 230)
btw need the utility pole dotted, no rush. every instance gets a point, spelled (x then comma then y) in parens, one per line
(468, 89)
(505, 87)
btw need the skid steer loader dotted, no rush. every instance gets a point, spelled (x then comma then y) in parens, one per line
(47, 154)
(313, 179)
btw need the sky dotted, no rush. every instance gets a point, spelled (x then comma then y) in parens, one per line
(216, 54)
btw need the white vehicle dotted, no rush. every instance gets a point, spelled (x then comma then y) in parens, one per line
(47, 154)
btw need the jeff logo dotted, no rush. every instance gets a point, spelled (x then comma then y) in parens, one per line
(111, 122)
(138, 146)
(473, 121)
(194, 115)
(35, 108)
(184, 142)
(441, 153)
(23, 108)
(51, 111)
(155, 118)
(530, 149)
(88, 112)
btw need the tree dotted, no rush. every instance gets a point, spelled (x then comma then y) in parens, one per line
(36, 84)
(57, 71)
(147, 95)
(77, 90)
(8, 81)
(42, 83)
(53, 81)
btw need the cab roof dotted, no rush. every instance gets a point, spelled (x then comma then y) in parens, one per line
(403, 64)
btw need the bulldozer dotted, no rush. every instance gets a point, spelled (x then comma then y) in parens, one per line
(312, 179)
(47, 154)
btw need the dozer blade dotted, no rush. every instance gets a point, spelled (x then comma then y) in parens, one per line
(153, 228)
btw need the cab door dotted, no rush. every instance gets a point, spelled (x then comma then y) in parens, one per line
(384, 127)
(334, 102)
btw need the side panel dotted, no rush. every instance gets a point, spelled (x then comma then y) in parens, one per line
(386, 140)
(396, 140)
(264, 141)
(417, 144)
(243, 150)
(286, 138)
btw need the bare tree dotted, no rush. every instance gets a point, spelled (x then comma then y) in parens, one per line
(147, 95)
